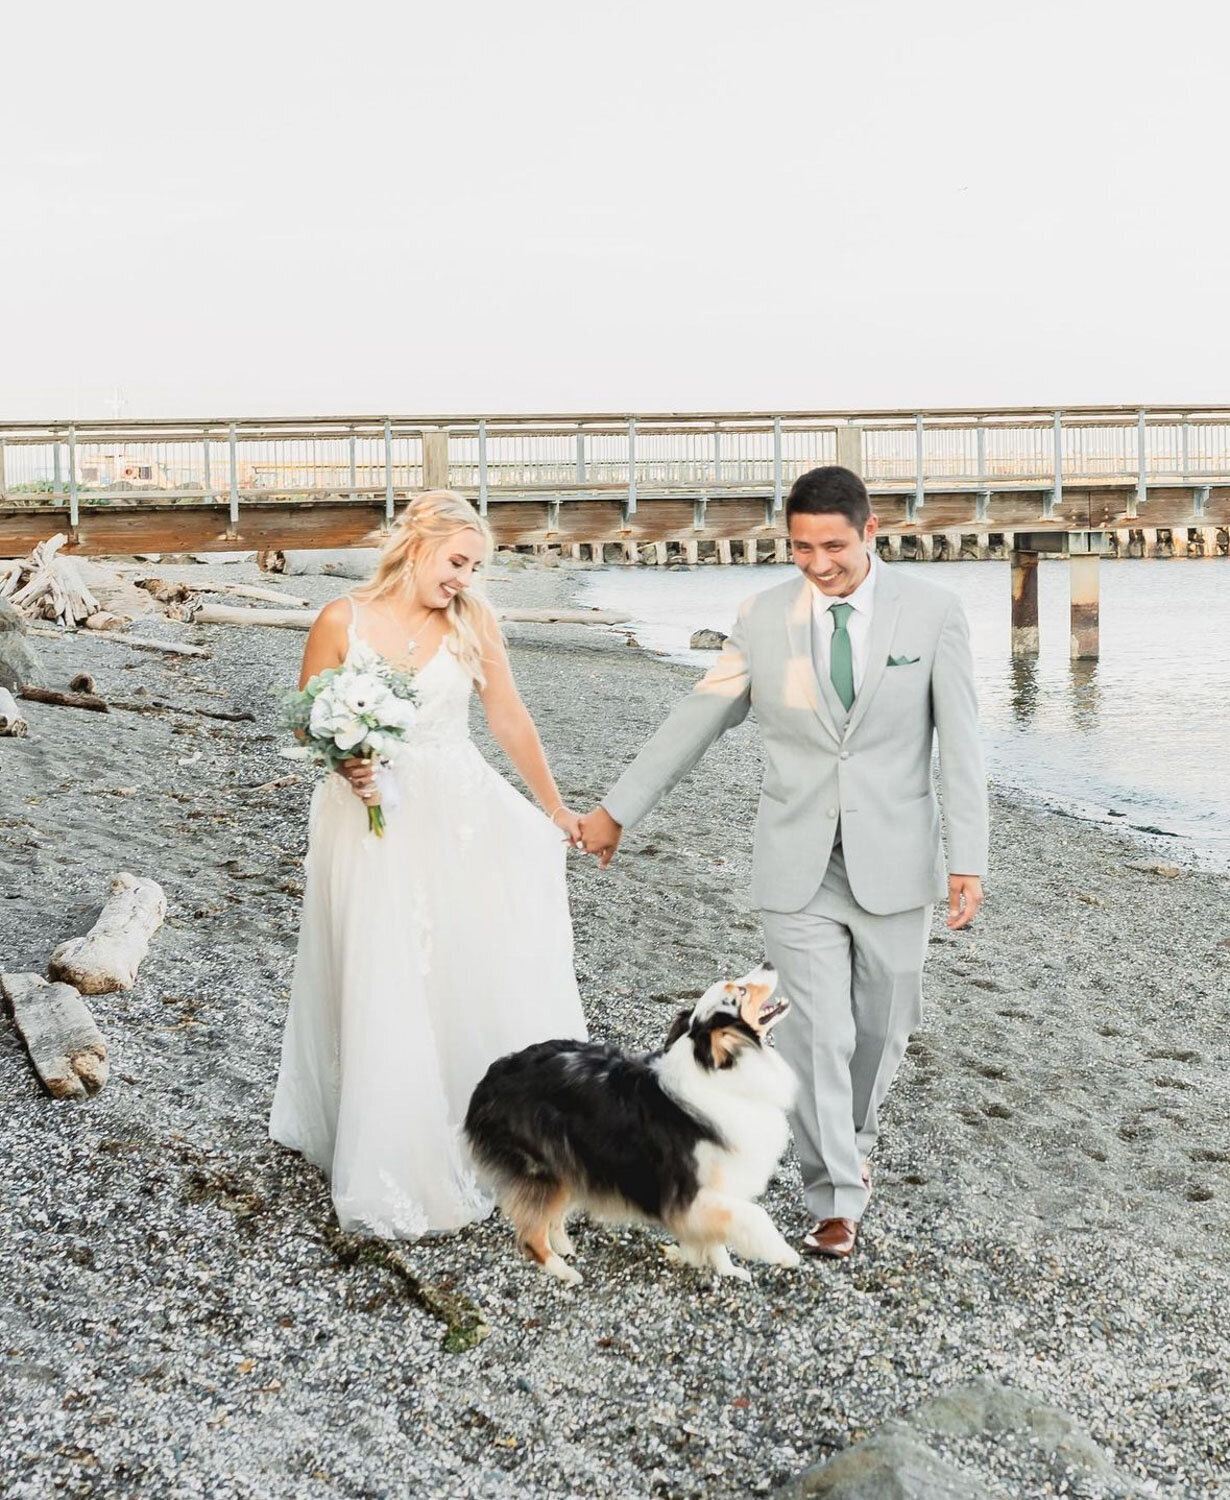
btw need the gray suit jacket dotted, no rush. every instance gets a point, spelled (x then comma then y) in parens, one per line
(870, 769)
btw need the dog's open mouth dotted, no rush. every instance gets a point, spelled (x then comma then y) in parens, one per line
(772, 1010)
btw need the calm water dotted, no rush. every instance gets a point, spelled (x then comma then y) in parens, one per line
(1143, 733)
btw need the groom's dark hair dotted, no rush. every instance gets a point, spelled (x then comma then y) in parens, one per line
(830, 490)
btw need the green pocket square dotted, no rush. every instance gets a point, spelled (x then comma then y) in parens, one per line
(902, 661)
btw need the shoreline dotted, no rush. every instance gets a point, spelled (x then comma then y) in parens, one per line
(1162, 844)
(1052, 1201)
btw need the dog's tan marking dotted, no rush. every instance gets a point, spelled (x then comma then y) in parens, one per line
(537, 1212)
(706, 1221)
(724, 1043)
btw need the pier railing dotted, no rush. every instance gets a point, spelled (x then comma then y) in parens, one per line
(592, 475)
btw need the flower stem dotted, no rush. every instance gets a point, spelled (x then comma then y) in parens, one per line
(375, 820)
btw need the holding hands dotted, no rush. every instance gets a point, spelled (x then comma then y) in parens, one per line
(570, 823)
(600, 835)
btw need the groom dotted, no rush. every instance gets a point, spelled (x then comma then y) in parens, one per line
(853, 671)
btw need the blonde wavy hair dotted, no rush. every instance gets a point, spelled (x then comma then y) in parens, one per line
(419, 532)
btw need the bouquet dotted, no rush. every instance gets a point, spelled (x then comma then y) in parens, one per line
(360, 710)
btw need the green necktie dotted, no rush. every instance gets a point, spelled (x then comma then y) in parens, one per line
(841, 657)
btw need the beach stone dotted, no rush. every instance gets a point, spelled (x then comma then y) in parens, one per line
(707, 640)
(1154, 867)
(899, 1461)
(892, 1464)
(985, 1407)
(18, 663)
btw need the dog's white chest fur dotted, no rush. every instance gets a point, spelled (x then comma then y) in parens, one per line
(746, 1104)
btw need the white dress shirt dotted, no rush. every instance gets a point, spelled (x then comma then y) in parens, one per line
(858, 622)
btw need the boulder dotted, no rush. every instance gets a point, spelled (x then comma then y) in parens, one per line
(892, 1464)
(707, 640)
(18, 663)
(906, 1459)
(1048, 1434)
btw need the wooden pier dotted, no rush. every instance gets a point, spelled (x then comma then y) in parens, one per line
(1086, 481)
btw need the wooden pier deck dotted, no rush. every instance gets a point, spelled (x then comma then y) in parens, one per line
(1161, 476)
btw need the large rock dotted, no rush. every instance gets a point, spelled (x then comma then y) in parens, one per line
(1045, 1433)
(707, 640)
(893, 1464)
(900, 1462)
(18, 663)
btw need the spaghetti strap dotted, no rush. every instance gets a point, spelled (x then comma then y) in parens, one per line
(352, 630)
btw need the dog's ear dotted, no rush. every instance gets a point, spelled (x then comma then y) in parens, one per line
(717, 1046)
(724, 1043)
(679, 1027)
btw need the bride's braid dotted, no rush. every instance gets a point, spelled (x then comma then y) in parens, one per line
(426, 524)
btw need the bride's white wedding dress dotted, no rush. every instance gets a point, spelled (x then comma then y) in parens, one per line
(423, 956)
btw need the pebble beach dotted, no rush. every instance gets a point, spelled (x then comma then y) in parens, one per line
(178, 1316)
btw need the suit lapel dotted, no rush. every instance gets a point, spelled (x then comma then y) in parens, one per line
(801, 669)
(883, 623)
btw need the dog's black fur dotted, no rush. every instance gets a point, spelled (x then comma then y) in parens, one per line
(566, 1110)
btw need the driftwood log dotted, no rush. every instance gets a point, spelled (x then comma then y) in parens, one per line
(139, 643)
(354, 562)
(47, 586)
(108, 956)
(561, 617)
(159, 705)
(12, 725)
(66, 1047)
(64, 700)
(302, 619)
(237, 614)
(183, 590)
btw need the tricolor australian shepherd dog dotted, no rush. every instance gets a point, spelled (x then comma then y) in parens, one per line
(686, 1137)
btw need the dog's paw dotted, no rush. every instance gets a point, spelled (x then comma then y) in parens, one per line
(789, 1258)
(562, 1271)
(686, 1255)
(560, 1241)
(738, 1273)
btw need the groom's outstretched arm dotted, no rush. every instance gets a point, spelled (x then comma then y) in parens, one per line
(719, 701)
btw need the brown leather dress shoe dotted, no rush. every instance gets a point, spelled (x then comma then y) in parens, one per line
(832, 1237)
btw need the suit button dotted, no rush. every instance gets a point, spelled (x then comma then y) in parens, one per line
(845, 755)
(832, 812)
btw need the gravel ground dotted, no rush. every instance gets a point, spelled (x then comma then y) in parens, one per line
(177, 1316)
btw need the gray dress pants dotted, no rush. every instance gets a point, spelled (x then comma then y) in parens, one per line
(854, 981)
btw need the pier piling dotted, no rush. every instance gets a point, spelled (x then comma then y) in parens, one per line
(1024, 603)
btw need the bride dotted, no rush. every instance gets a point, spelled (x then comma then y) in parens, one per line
(425, 954)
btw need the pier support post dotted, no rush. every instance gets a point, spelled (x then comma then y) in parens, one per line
(1149, 538)
(781, 549)
(1178, 541)
(749, 549)
(691, 553)
(723, 552)
(926, 547)
(1083, 595)
(850, 448)
(1208, 540)
(1024, 603)
(894, 547)
(952, 546)
(435, 460)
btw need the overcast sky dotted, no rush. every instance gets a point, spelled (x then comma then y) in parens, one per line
(270, 209)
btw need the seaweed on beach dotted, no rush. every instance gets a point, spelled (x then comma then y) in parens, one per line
(464, 1324)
